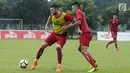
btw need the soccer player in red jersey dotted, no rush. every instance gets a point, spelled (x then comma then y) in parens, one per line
(85, 36)
(113, 28)
(58, 19)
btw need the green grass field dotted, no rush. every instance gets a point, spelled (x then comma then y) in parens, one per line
(110, 61)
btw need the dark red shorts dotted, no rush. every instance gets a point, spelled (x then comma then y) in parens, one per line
(114, 34)
(52, 38)
(85, 39)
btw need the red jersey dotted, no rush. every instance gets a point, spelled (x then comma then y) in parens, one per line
(114, 24)
(83, 26)
(68, 17)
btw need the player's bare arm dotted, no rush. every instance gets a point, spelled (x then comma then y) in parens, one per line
(72, 24)
(77, 23)
(48, 21)
(70, 19)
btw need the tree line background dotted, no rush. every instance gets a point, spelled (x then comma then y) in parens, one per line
(97, 12)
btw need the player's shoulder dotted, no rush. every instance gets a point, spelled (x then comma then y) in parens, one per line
(67, 15)
(79, 11)
(110, 20)
(63, 13)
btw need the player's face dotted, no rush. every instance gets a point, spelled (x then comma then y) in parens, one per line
(53, 11)
(73, 8)
(114, 16)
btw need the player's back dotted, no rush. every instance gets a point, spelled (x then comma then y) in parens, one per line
(83, 26)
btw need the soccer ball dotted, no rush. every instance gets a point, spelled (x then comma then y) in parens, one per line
(23, 63)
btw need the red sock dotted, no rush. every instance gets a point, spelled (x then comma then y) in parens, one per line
(89, 58)
(39, 53)
(59, 55)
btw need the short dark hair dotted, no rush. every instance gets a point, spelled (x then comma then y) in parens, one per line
(76, 4)
(115, 14)
(54, 6)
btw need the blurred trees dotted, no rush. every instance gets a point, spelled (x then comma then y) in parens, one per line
(5, 9)
(97, 12)
(31, 11)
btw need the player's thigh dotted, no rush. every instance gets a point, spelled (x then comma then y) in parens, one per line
(85, 39)
(51, 39)
(61, 40)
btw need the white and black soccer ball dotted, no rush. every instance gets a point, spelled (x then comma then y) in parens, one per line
(23, 63)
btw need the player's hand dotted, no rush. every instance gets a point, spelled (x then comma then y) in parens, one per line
(46, 27)
(64, 28)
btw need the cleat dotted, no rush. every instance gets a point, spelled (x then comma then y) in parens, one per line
(93, 69)
(59, 69)
(34, 64)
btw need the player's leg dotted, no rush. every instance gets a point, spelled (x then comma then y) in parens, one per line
(59, 57)
(39, 53)
(112, 33)
(40, 50)
(84, 43)
(87, 55)
(109, 43)
(91, 56)
(115, 41)
(60, 43)
(48, 41)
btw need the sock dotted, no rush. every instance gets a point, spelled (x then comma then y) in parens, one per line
(39, 53)
(89, 58)
(59, 55)
(36, 59)
(59, 64)
(88, 53)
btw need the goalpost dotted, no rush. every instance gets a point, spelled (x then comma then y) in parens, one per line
(9, 24)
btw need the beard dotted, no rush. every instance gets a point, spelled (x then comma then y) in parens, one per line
(55, 13)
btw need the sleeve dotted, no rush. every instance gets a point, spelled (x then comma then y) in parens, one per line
(68, 17)
(78, 15)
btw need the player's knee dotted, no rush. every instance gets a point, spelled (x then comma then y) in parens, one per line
(79, 48)
(114, 39)
(44, 45)
(58, 45)
(83, 48)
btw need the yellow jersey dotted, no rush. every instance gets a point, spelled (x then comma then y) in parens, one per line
(58, 23)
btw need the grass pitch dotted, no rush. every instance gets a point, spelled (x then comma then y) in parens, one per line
(110, 61)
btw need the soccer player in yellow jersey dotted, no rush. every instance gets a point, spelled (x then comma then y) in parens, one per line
(58, 19)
